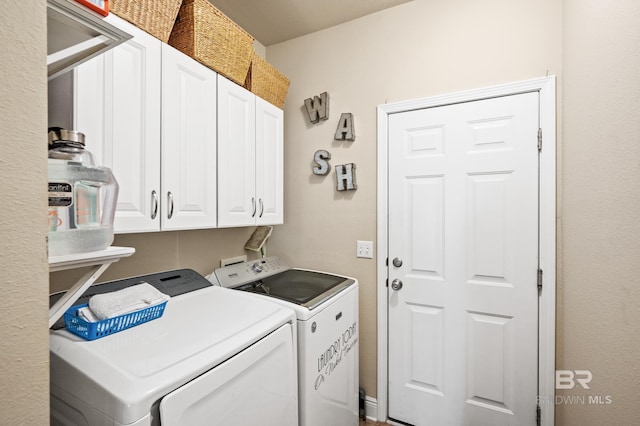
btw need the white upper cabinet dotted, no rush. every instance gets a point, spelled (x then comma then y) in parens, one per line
(269, 163)
(237, 202)
(149, 113)
(117, 107)
(189, 148)
(250, 158)
(188, 142)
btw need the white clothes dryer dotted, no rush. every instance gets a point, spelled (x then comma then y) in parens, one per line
(326, 306)
(216, 356)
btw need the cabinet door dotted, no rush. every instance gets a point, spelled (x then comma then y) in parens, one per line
(117, 106)
(237, 202)
(188, 142)
(269, 163)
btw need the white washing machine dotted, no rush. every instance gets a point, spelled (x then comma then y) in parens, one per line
(216, 356)
(326, 306)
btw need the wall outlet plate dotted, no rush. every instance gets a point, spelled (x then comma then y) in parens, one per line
(364, 249)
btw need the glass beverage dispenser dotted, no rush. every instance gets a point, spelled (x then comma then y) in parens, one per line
(82, 196)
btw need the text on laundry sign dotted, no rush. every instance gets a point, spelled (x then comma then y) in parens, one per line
(336, 353)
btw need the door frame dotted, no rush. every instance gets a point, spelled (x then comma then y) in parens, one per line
(546, 86)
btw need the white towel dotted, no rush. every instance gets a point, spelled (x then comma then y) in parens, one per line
(127, 300)
(87, 314)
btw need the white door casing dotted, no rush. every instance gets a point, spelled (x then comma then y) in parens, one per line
(485, 324)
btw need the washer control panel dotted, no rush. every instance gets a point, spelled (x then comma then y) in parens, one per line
(253, 270)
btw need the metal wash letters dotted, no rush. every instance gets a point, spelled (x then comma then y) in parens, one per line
(318, 109)
(346, 177)
(345, 131)
(323, 167)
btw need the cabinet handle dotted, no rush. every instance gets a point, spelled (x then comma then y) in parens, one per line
(154, 203)
(261, 207)
(253, 202)
(170, 202)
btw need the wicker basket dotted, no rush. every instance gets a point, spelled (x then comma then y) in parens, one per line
(209, 36)
(153, 16)
(266, 81)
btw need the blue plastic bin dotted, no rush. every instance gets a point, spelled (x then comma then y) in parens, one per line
(95, 330)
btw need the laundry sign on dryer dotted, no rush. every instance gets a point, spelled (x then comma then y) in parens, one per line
(336, 352)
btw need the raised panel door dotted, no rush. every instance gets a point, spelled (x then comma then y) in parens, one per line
(189, 179)
(463, 217)
(117, 106)
(269, 163)
(237, 201)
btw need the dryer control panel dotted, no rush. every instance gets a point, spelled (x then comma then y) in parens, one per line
(253, 270)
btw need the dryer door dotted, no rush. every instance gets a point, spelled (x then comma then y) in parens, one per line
(256, 386)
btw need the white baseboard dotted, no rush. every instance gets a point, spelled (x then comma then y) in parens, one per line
(371, 408)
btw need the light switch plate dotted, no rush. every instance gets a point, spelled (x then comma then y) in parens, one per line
(364, 249)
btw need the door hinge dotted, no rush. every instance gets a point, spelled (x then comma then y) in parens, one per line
(539, 139)
(538, 415)
(539, 280)
(387, 281)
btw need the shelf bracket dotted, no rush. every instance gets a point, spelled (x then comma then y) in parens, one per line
(97, 262)
(66, 301)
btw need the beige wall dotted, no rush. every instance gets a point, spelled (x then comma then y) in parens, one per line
(599, 295)
(24, 345)
(418, 49)
(431, 47)
(199, 250)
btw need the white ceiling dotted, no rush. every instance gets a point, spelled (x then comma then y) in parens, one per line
(274, 21)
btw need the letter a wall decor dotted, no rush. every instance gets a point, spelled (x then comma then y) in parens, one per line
(345, 131)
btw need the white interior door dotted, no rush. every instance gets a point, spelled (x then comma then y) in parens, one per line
(463, 220)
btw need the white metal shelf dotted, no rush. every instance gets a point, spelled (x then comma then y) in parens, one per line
(97, 261)
(76, 34)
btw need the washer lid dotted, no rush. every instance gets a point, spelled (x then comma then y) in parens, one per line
(123, 374)
(302, 287)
